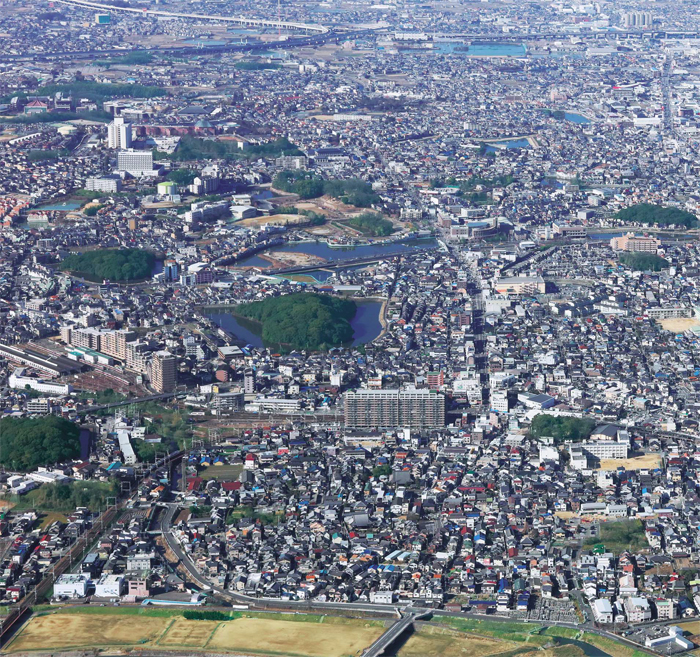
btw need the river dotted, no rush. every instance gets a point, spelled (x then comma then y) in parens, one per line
(322, 250)
(365, 324)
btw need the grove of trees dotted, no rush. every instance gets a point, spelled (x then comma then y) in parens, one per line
(657, 215)
(111, 264)
(26, 443)
(302, 321)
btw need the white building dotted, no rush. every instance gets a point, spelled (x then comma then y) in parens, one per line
(18, 380)
(119, 134)
(71, 585)
(110, 586)
(637, 610)
(602, 611)
(137, 163)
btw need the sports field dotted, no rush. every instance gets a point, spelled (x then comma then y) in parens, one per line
(441, 642)
(331, 637)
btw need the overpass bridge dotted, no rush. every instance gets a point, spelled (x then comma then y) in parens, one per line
(380, 646)
(238, 20)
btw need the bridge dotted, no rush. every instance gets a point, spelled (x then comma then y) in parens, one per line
(129, 401)
(394, 632)
(238, 20)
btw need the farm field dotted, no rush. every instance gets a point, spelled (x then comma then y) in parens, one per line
(164, 629)
(281, 637)
(64, 631)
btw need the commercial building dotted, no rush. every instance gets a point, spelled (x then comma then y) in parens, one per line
(110, 586)
(520, 285)
(602, 611)
(119, 134)
(635, 243)
(137, 163)
(637, 610)
(412, 408)
(163, 371)
(55, 365)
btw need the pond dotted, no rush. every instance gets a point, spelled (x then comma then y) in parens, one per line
(507, 144)
(65, 206)
(365, 324)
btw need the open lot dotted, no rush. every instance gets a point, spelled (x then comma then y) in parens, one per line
(281, 637)
(63, 631)
(680, 325)
(634, 463)
(442, 642)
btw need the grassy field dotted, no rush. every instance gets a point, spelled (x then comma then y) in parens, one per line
(565, 632)
(497, 630)
(613, 648)
(618, 536)
(303, 635)
(433, 641)
(222, 472)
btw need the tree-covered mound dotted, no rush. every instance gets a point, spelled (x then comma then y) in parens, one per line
(114, 265)
(303, 321)
(561, 428)
(306, 185)
(26, 443)
(643, 261)
(657, 215)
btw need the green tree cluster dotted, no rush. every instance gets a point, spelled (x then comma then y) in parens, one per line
(92, 210)
(138, 58)
(303, 320)
(206, 615)
(26, 443)
(657, 215)
(644, 261)
(111, 264)
(182, 177)
(99, 91)
(561, 428)
(372, 224)
(352, 191)
(192, 148)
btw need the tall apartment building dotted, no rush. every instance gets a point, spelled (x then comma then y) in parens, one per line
(636, 243)
(112, 343)
(411, 408)
(637, 19)
(163, 371)
(119, 134)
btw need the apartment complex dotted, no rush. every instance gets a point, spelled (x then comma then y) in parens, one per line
(163, 371)
(412, 408)
(635, 243)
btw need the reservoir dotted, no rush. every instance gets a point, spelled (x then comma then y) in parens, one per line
(365, 324)
(338, 254)
(576, 118)
(66, 206)
(482, 49)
